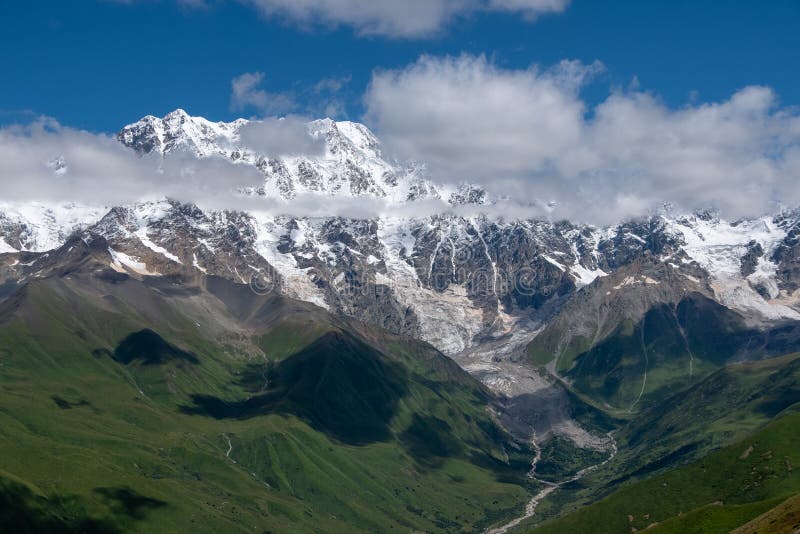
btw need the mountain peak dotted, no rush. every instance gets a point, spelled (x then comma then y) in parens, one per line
(178, 130)
(352, 163)
(179, 112)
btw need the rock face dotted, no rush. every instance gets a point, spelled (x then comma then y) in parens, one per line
(786, 255)
(456, 281)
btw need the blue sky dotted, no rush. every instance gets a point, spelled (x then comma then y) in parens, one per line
(98, 65)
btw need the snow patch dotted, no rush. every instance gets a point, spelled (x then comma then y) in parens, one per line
(46, 225)
(197, 266)
(121, 261)
(584, 276)
(5, 248)
(142, 235)
(554, 262)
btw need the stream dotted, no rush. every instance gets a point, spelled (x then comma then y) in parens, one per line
(530, 508)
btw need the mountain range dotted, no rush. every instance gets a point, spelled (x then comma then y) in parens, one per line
(325, 350)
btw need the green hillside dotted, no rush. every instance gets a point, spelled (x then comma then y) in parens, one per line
(720, 410)
(717, 493)
(728, 405)
(783, 519)
(183, 405)
(632, 366)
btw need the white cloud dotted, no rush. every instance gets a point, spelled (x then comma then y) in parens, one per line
(101, 171)
(529, 8)
(286, 136)
(247, 93)
(321, 98)
(390, 18)
(525, 134)
(331, 85)
(407, 19)
(468, 118)
(735, 155)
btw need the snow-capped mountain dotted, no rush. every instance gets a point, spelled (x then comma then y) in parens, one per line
(350, 164)
(455, 281)
(179, 131)
(40, 227)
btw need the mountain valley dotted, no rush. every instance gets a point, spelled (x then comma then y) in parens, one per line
(174, 366)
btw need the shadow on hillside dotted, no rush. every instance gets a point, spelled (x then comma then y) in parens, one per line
(23, 512)
(125, 501)
(429, 440)
(149, 348)
(68, 405)
(338, 384)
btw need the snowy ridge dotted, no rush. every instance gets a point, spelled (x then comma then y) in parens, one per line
(448, 279)
(350, 165)
(179, 131)
(719, 247)
(39, 227)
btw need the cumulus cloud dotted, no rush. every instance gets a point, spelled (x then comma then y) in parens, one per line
(467, 118)
(735, 155)
(406, 19)
(528, 134)
(287, 136)
(321, 98)
(246, 92)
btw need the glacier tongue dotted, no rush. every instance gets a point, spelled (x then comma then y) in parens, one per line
(449, 320)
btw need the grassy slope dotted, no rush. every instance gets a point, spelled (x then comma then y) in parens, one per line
(714, 494)
(783, 519)
(727, 406)
(88, 443)
(676, 346)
